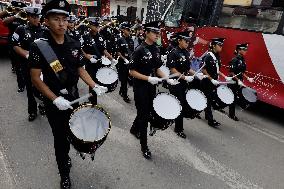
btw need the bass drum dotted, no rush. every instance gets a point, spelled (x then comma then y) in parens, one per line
(246, 97)
(166, 109)
(107, 77)
(89, 126)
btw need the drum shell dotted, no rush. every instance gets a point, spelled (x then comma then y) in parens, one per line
(241, 100)
(83, 146)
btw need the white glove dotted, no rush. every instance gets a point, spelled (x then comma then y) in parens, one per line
(172, 81)
(240, 83)
(27, 56)
(61, 103)
(251, 80)
(114, 62)
(215, 82)
(154, 80)
(17, 15)
(126, 61)
(188, 78)
(93, 60)
(200, 76)
(228, 78)
(99, 90)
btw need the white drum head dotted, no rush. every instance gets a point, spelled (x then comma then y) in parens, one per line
(249, 94)
(105, 61)
(167, 106)
(106, 76)
(165, 70)
(225, 94)
(89, 124)
(196, 99)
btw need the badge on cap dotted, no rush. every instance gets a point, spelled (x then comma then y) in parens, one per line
(61, 4)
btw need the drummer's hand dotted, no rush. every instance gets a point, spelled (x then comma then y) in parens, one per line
(200, 76)
(240, 83)
(99, 90)
(61, 103)
(114, 62)
(93, 60)
(172, 81)
(228, 78)
(154, 80)
(126, 61)
(188, 78)
(251, 80)
(215, 82)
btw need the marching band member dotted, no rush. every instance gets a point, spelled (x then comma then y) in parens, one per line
(138, 38)
(144, 67)
(212, 71)
(71, 31)
(179, 62)
(22, 39)
(93, 49)
(60, 59)
(237, 71)
(12, 22)
(125, 48)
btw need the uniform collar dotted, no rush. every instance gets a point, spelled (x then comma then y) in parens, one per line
(52, 41)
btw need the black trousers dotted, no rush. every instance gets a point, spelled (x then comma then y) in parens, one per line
(123, 73)
(59, 123)
(209, 90)
(92, 70)
(232, 107)
(18, 65)
(143, 96)
(179, 92)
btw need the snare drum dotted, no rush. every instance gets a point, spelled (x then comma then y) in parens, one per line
(166, 109)
(165, 70)
(107, 77)
(246, 97)
(89, 127)
(196, 100)
(224, 96)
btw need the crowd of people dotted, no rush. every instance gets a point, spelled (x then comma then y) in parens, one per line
(51, 49)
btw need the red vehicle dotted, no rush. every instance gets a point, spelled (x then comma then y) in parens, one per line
(261, 26)
(4, 31)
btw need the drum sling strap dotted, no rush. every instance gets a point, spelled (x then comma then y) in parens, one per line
(52, 60)
(216, 62)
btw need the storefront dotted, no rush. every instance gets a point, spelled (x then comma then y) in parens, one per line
(90, 8)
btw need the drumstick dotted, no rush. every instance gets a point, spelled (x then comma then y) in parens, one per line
(226, 82)
(199, 70)
(170, 76)
(180, 77)
(236, 75)
(81, 98)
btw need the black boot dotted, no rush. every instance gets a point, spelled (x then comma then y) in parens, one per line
(146, 153)
(32, 116)
(233, 117)
(126, 99)
(136, 134)
(213, 123)
(181, 134)
(41, 109)
(20, 90)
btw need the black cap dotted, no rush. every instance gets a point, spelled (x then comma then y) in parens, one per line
(125, 25)
(183, 35)
(243, 46)
(57, 7)
(33, 10)
(94, 21)
(72, 19)
(18, 4)
(217, 41)
(153, 26)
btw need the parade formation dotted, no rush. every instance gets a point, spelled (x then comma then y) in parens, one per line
(51, 49)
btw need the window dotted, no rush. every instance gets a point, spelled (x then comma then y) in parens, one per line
(263, 19)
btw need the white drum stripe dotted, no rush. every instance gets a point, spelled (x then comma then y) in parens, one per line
(275, 45)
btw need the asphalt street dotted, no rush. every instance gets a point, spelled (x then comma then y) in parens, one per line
(248, 154)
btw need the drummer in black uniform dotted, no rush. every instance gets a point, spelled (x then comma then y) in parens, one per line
(22, 39)
(93, 49)
(125, 48)
(237, 71)
(12, 21)
(144, 67)
(212, 72)
(71, 31)
(179, 62)
(61, 72)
